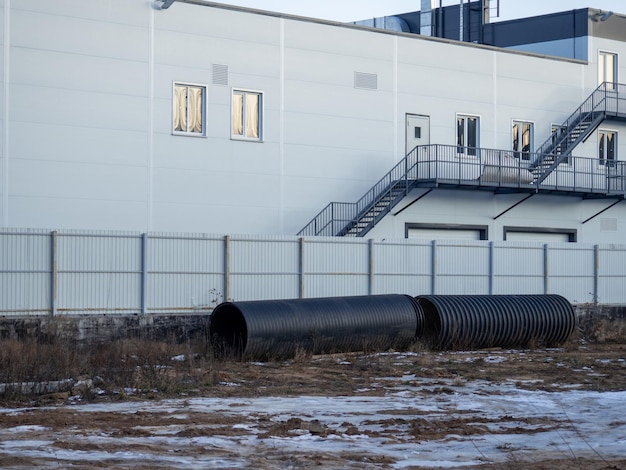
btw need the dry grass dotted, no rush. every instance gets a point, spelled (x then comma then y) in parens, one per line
(168, 367)
(144, 365)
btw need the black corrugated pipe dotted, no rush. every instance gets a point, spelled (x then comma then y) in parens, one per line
(273, 329)
(485, 321)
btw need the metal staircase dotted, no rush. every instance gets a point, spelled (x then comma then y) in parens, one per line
(378, 210)
(608, 101)
(356, 219)
(603, 103)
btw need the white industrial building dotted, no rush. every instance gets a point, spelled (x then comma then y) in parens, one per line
(192, 116)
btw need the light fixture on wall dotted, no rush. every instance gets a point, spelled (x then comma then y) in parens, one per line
(162, 4)
(601, 16)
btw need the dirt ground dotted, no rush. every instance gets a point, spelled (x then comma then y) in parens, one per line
(53, 419)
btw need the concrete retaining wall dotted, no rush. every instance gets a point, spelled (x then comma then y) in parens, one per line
(178, 328)
(597, 323)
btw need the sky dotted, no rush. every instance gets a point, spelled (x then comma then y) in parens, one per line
(352, 10)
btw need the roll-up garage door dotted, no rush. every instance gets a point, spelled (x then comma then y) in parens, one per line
(438, 234)
(545, 237)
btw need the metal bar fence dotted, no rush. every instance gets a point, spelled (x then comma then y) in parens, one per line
(83, 272)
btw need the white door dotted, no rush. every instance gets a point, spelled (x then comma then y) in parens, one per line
(417, 131)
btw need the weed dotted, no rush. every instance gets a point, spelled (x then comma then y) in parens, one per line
(124, 364)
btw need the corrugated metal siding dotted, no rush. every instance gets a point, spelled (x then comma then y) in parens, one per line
(25, 270)
(184, 272)
(103, 272)
(336, 267)
(518, 268)
(611, 277)
(264, 269)
(462, 267)
(402, 266)
(570, 275)
(99, 273)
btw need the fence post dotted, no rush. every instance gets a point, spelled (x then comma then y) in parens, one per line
(433, 268)
(491, 268)
(53, 273)
(144, 273)
(596, 273)
(301, 267)
(370, 267)
(546, 270)
(226, 268)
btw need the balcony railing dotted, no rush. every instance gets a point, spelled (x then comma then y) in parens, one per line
(445, 164)
(479, 168)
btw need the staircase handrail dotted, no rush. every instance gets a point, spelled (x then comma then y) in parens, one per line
(357, 209)
(595, 100)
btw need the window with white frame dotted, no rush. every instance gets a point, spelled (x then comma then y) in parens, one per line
(607, 147)
(607, 69)
(523, 136)
(247, 115)
(467, 134)
(189, 116)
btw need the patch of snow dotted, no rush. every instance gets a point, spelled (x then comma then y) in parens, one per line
(555, 424)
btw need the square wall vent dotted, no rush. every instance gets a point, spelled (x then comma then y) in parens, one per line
(220, 74)
(366, 81)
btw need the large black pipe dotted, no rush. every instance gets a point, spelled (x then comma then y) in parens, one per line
(484, 321)
(273, 329)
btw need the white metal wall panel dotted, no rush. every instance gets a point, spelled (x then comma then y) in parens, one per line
(25, 272)
(611, 277)
(263, 269)
(184, 272)
(99, 273)
(462, 267)
(112, 33)
(402, 267)
(335, 267)
(264, 287)
(569, 271)
(184, 292)
(518, 268)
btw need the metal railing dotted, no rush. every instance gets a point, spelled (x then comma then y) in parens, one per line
(608, 100)
(454, 166)
(336, 216)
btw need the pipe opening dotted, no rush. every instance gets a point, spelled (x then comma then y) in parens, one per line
(228, 331)
(431, 323)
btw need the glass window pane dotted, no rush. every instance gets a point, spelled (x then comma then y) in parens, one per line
(252, 115)
(515, 136)
(237, 113)
(526, 134)
(180, 108)
(607, 69)
(460, 133)
(610, 145)
(601, 147)
(472, 135)
(195, 109)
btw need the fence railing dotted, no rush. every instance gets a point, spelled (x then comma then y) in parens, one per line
(112, 273)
